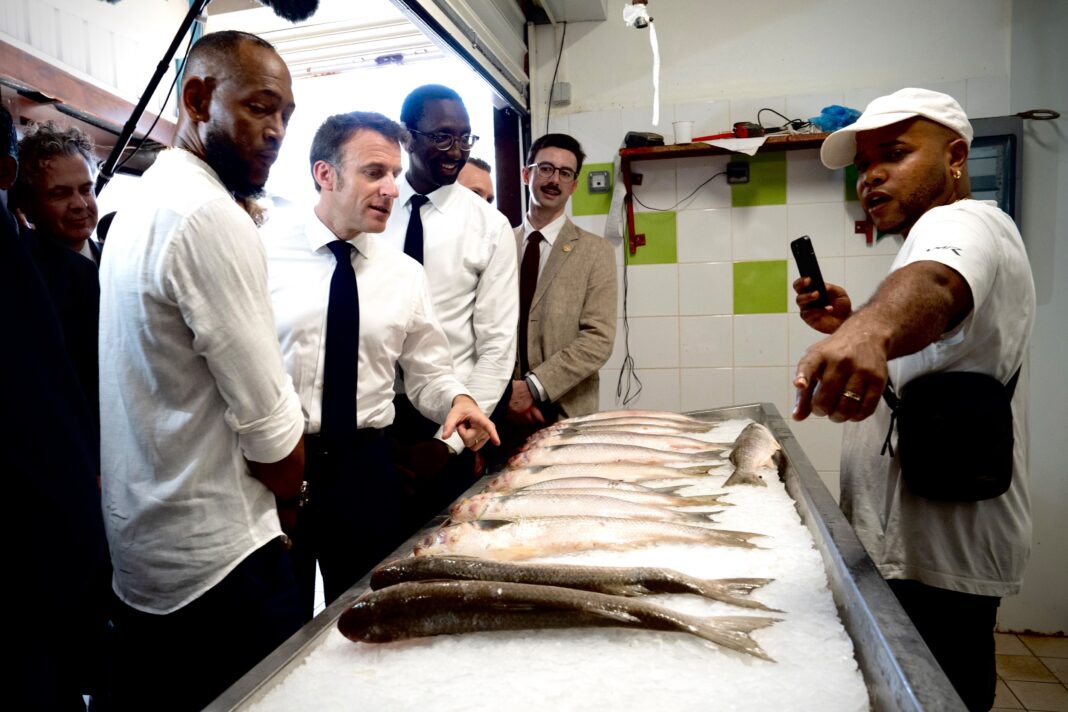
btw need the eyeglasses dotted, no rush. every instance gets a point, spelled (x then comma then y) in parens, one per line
(546, 170)
(444, 141)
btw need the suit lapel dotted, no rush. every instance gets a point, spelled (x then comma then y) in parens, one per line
(562, 249)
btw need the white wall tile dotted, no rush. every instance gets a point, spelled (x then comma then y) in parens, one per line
(705, 341)
(809, 181)
(652, 290)
(654, 343)
(832, 269)
(593, 223)
(805, 106)
(747, 109)
(800, 336)
(987, 96)
(856, 243)
(703, 235)
(863, 275)
(821, 440)
(708, 117)
(761, 385)
(704, 388)
(657, 190)
(693, 172)
(760, 340)
(859, 97)
(759, 233)
(659, 390)
(706, 288)
(599, 132)
(820, 221)
(956, 89)
(561, 123)
(640, 118)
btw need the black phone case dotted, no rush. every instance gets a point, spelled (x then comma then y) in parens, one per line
(807, 265)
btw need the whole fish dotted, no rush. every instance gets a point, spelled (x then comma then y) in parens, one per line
(755, 448)
(597, 483)
(673, 443)
(639, 414)
(621, 471)
(548, 536)
(650, 497)
(563, 503)
(593, 454)
(418, 609)
(638, 581)
(630, 425)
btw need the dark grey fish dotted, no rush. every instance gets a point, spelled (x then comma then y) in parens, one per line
(426, 608)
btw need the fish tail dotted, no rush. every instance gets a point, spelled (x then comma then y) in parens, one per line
(744, 477)
(734, 632)
(703, 500)
(672, 489)
(734, 591)
(694, 470)
(699, 517)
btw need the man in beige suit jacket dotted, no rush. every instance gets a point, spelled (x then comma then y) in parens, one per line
(567, 295)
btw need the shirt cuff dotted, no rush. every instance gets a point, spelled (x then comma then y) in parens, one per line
(539, 391)
(453, 442)
(271, 438)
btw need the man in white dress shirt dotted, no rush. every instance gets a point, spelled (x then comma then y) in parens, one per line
(201, 427)
(351, 517)
(468, 252)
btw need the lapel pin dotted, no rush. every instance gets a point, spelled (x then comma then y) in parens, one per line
(568, 247)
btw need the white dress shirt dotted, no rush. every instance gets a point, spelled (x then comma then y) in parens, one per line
(469, 258)
(397, 322)
(549, 233)
(191, 384)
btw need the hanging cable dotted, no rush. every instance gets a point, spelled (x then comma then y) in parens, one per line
(559, 54)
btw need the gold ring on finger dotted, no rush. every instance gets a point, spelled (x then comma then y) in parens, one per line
(851, 395)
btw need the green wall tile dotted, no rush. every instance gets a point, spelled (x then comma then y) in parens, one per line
(585, 203)
(660, 245)
(760, 287)
(849, 177)
(767, 181)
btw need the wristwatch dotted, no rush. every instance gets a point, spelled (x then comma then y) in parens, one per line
(534, 392)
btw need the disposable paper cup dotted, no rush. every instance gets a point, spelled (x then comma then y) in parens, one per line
(683, 131)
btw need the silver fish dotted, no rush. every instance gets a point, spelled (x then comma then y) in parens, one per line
(639, 414)
(630, 425)
(564, 503)
(673, 443)
(651, 497)
(418, 609)
(621, 471)
(598, 483)
(636, 581)
(755, 448)
(548, 536)
(591, 454)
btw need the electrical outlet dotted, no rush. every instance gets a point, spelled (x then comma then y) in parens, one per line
(738, 172)
(598, 181)
(562, 94)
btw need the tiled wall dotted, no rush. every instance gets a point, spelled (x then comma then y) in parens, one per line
(711, 312)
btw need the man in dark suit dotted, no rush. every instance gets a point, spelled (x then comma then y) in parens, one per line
(567, 302)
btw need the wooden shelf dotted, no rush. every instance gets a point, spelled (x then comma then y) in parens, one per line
(787, 142)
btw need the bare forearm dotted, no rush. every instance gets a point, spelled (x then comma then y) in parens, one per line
(283, 477)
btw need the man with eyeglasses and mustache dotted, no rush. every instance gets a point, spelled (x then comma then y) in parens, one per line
(466, 248)
(567, 302)
(202, 429)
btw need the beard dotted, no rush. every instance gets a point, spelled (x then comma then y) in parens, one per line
(222, 155)
(925, 196)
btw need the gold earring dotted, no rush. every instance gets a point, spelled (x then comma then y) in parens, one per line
(956, 174)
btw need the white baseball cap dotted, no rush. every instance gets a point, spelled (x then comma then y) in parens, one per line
(840, 147)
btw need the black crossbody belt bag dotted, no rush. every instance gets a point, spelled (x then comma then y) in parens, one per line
(954, 435)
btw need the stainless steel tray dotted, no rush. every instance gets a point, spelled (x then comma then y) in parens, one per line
(900, 672)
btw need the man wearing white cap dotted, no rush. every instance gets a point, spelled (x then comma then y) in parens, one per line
(959, 297)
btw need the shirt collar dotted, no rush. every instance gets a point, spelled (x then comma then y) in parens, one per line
(550, 232)
(439, 197)
(319, 236)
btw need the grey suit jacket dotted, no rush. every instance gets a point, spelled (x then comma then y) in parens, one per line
(572, 323)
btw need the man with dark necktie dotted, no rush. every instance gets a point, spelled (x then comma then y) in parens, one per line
(567, 297)
(348, 311)
(466, 248)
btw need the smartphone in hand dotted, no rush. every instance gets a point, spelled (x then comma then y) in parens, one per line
(807, 265)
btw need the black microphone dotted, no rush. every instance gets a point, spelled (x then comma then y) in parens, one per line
(292, 10)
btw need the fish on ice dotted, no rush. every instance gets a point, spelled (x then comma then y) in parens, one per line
(755, 448)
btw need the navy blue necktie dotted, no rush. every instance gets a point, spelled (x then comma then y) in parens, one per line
(342, 347)
(413, 238)
(528, 284)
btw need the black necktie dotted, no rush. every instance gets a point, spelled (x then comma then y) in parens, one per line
(528, 284)
(413, 238)
(342, 347)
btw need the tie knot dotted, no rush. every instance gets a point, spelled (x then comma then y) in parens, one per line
(417, 201)
(342, 249)
(536, 236)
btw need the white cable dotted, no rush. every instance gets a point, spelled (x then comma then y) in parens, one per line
(656, 73)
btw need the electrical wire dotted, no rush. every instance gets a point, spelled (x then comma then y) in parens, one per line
(795, 124)
(559, 54)
(170, 90)
(680, 202)
(626, 370)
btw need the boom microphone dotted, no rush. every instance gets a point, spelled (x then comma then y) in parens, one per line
(292, 10)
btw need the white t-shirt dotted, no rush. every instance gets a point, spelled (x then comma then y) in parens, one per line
(972, 547)
(397, 323)
(470, 262)
(191, 384)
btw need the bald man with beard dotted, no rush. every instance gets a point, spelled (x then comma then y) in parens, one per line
(202, 429)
